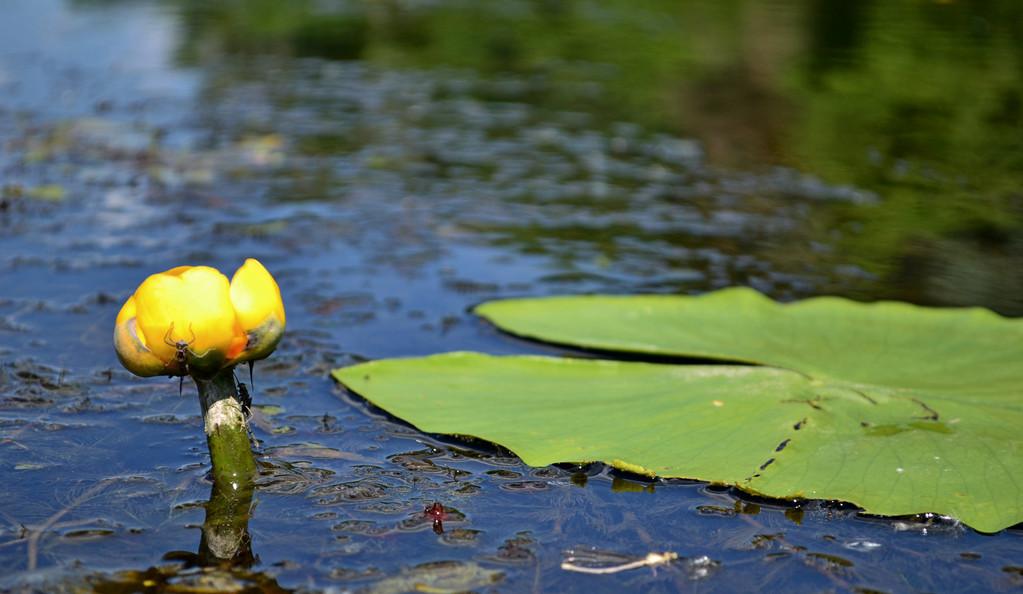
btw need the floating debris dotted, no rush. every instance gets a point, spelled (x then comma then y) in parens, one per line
(594, 562)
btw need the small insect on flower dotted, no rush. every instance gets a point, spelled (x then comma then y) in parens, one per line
(245, 399)
(181, 351)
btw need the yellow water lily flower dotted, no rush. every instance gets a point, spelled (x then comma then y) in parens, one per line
(190, 320)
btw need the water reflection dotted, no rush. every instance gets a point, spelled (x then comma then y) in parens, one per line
(225, 531)
(222, 563)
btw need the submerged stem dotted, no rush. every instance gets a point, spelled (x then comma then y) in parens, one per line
(227, 431)
(225, 533)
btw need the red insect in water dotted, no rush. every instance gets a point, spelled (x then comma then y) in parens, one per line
(437, 514)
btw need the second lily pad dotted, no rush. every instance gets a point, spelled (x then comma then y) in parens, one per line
(897, 409)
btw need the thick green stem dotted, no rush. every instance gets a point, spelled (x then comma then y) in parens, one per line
(227, 432)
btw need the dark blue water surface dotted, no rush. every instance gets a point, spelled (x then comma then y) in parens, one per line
(393, 164)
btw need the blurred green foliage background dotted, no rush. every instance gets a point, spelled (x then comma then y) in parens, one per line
(917, 101)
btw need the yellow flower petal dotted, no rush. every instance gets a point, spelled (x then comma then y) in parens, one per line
(131, 346)
(188, 309)
(260, 309)
(255, 295)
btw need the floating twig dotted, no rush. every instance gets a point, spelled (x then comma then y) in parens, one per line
(651, 560)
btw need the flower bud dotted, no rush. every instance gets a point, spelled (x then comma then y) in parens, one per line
(191, 321)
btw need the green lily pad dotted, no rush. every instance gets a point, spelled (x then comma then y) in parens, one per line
(895, 408)
(969, 351)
